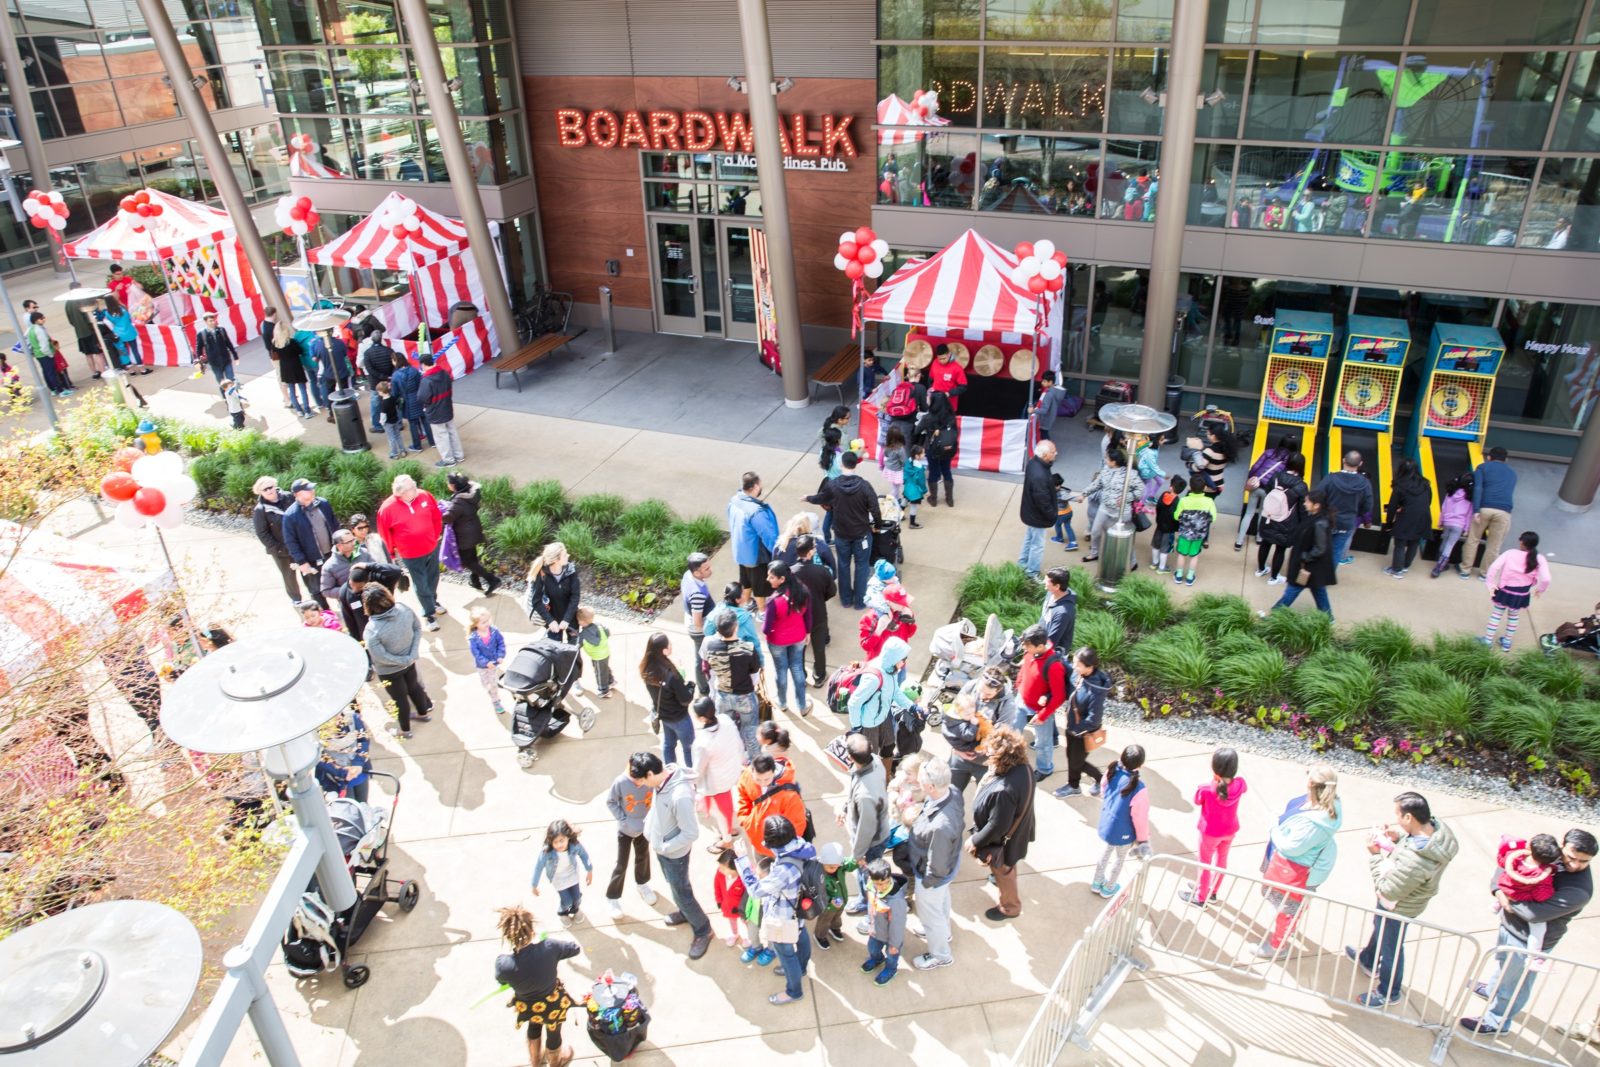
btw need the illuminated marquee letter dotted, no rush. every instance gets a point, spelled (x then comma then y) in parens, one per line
(802, 144)
(633, 131)
(569, 128)
(608, 121)
(736, 133)
(664, 131)
(699, 131)
(836, 137)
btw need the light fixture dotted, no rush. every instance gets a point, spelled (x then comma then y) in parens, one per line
(736, 83)
(199, 81)
(782, 85)
(1215, 97)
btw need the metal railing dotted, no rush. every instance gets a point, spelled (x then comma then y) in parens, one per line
(1558, 1016)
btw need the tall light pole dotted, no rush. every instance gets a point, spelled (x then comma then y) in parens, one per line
(28, 127)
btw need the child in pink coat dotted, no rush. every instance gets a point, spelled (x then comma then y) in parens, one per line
(1514, 580)
(1218, 801)
(1455, 519)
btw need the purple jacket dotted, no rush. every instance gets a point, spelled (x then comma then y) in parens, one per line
(1456, 510)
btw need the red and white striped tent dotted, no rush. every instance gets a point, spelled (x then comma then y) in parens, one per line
(967, 286)
(182, 226)
(372, 245)
(307, 165)
(893, 111)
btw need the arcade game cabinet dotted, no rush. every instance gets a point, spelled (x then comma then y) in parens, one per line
(1366, 398)
(1452, 405)
(1292, 394)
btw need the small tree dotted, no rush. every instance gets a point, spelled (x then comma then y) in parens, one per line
(370, 63)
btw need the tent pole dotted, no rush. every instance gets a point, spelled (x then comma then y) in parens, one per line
(311, 271)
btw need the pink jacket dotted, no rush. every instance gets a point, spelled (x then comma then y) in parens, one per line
(1218, 817)
(1456, 510)
(783, 625)
(1510, 571)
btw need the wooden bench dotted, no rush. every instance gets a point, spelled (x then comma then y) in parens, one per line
(845, 366)
(526, 356)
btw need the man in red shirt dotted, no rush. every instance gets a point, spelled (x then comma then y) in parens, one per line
(945, 375)
(1042, 689)
(119, 283)
(411, 525)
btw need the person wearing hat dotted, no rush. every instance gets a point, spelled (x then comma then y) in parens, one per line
(267, 518)
(308, 529)
(347, 552)
(1494, 487)
(214, 348)
(437, 394)
(835, 894)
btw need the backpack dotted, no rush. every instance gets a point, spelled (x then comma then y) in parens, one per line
(945, 439)
(843, 682)
(902, 402)
(808, 901)
(311, 944)
(908, 726)
(810, 832)
(1275, 507)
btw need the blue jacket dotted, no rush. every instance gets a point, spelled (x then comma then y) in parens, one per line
(752, 526)
(492, 652)
(1116, 810)
(868, 706)
(336, 759)
(297, 535)
(1493, 485)
(548, 858)
(778, 889)
(404, 384)
(1307, 837)
(333, 363)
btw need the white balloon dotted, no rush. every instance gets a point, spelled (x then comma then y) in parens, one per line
(1030, 265)
(57, 198)
(848, 235)
(881, 247)
(1019, 275)
(1049, 270)
(128, 516)
(1044, 249)
(839, 262)
(169, 517)
(151, 471)
(873, 269)
(179, 489)
(58, 223)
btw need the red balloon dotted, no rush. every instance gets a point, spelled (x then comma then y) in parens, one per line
(127, 203)
(125, 458)
(156, 209)
(865, 236)
(312, 218)
(297, 212)
(1036, 284)
(854, 269)
(119, 486)
(866, 254)
(40, 222)
(142, 196)
(144, 211)
(61, 209)
(1060, 257)
(1024, 249)
(1057, 283)
(149, 501)
(849, 249)
(305, 202)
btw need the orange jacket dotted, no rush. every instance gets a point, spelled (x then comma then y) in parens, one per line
(752, 811)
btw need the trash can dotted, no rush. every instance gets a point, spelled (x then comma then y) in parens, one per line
(462, 313)
(1174, 405)
(348, 418)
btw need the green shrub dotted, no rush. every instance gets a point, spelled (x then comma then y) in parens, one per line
(1423, 700)
(546, 497)
(1383, 641)
(579, 537)
(244, 445)
(1015, 615)
(199, 440)
(1004, 582)
(1256, 674)
(1176, 657)
(1580, 730)
(1143, 603)
(1218, 615)
(279, 455)
(1555, 675)
(238, 484)
(1465, 657)
(1336, 686)
(314, 462)
(1239, 642)
(350, 493)
(599, 510)
(703, 532)
(208, 473)
(408, 466)
(647, 517)
(641, 555)
(1518, 718)
(497, 497)
(1297, 633)
(1104, 632)
(520, 537)
(361, 464)
(434, 482)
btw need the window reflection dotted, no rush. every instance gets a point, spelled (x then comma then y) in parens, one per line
(1566, 207)
(1210, 181)
(1451, 199)
(1038, 175)
(1319, 96)
(936, 170)
(1303, 191)
(1467, 100)
(1132, 179)
(1043, 88)
(1550, 377)
(906, 70)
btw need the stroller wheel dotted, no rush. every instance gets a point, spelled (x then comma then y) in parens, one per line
(410, 893)
(935, 719)
(586, 719)
(526, 757)
(1547, 642)
(356, 976)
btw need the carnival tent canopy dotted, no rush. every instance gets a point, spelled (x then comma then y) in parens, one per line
(182, 226)
(967, 286)
(372, 245)
(893, 111)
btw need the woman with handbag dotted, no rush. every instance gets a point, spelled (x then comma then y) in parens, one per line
(1003, 818)
(1085, 710)
(670, 696)
(1300, 852)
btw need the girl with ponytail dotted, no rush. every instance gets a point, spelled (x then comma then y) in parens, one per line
(1301, 851)
(1514, 580)
(1124, 819)
(1218, 801)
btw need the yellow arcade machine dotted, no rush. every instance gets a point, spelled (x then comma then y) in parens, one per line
(1452, 406)
(1366, 398)
(1291, 397)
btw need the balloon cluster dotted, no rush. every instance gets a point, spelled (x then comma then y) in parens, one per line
(925, 104)
(861, 253)
(46, 210)
(148, 488)
(296, 216)
(139, 208)
(404, 221)
(302, 142)
(1042, 269)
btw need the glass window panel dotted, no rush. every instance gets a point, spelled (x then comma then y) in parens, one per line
(432, 157)
(1452, 199)
(1146, 20)
(145, 98)
(1228, 21)
(465, 21)
(1221, 71)
(1330, 22)
(106, 181)
(329, 138)
(215, 90)
(16, 243)
(676, 165)
(1138, 77)
(258, 156)
(1132, 177)
(373, 81)
(1196, 295)
(45, 114)
(1058, 20)
(368, 24)
(1466, 100)
(686, 197)
(238, 40)
(87, 108)
(61, 60)
(290, 22)
(952, 72)
(740, 166)
(1116, 321)
(1549, 377)
(200, 43)
(739, 200)
(1318, 96)
(1210, 182)
(1044, 88)
(938, 170)
(494, 147)
(1489, 22)
(1578, 127)
(1247, 307)
(1305, 191)
(49, 16)
(910, 20)
(1077, 318)
(387, 149)
(64, 180)
(486, 75)
(302, 82)
(1036, 175)
(1591, 35)
(520, 243)
(173, 169)
(1566, 207)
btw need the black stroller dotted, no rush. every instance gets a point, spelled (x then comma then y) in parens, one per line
(886, 532)
(1581, 636)
(318, 939)
(539, 677)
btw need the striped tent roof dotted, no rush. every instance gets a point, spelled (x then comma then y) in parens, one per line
(182, 226)
(307, 165)
(371, 244)
(967, 286)
(893, 111)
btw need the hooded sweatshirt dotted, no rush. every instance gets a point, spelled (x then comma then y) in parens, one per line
(392, 639)
(753, 804)
(1349, 495)
(888, 913)
(1307, 838)
(628, 804)
(670, 825)
(854, 503)
(1408, 877)
(878, 693)
(1456, 510)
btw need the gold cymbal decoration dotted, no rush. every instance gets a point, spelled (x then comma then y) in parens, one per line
(1023, 364)
(918, 354)
(988, 361)
(959, 353)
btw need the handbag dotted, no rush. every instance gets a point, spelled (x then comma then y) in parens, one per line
(1141, 517)
(779, 931)
(764, 709)
(838, 750)
(655, 714)
(989, 853)
(1094, 739)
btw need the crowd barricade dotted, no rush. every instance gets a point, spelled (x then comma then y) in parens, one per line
(1560, 1013)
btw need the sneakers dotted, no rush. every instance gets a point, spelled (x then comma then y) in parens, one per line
(780, 999)
(698, 946)
(1109, 891)
(1265, 950)
(1177, 577)
(1193, 897)
(1097, 887)
(915, 525)
(1486, 642)
(748, 955)
(822, 942)
(1464, 573)
(647, 894)
(1347, 561)
(857, 907)
(765, 956)
(1093, 790)
(1279, 580)
(929, 962)
(865, 928)
(1072, 546)
(1353, 954)
(445, 463)
(1376, 999)
(1505, 644)
(430, 624)
(1189, 580)
(615, 908)
(423, 716)
(885, 976)
(1261, 572)
(1059, 540)
(1067, 791)
(1436, 571)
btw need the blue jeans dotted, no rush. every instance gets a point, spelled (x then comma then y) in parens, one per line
(855, 554)
(1385, 954)
(1510, 986)
(938, 471)
(1064, 529)
(827, 526)
(570, 898)
(425, 580)
(678, 734)
(795, 959)
(1044, 746)
(372, 409)
(879, 950)
(1031, 558)
(676, 871)
(397, 444)
(299, 397)
(320, 390)
(130, 353)
(420, 434)
(1342, 536)
(1319, 593)
(745, 712)
(790, 660)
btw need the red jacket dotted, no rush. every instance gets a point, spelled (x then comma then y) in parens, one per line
(944, 378)
(1034, 681)
(410, 531)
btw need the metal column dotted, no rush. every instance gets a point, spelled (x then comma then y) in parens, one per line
(1172, 199)
(1583, 473)
(430, 69)
(28, 129)
(764, 123)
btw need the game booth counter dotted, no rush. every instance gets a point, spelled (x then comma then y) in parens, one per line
(194, 247)
(432, 250)
(1002, 334)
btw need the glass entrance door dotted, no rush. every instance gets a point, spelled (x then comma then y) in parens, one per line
(739, 280)
(676, 250)
(705, 277)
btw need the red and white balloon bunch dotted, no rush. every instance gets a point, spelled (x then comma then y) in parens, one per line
(148, 488)
(296, 216)
(139, 208)
(404, 221)
(925, 104)
(1042, 269)
(47, 211)
(302, 143)
(861, 253)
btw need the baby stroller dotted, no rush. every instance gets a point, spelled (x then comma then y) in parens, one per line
(540, 676)
(1581, 636)
(1112, 392)
(318, 939)
(886, 532)
(959, 656)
